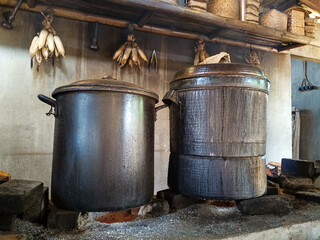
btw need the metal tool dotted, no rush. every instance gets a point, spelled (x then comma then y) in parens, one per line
(305, 84)
(94, 45)
(9, 17)
(153, 60)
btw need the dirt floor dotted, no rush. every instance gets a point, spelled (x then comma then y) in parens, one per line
(201, 221)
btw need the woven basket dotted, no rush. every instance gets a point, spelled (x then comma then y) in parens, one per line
(255, 3)
(296, 19)
(310, 21)
(274, 19)
(296, 16)
(171, 1)
(197, 5)
(296, 30)
(224, 8)
(297, 9)
(310, 26)
(252, 13)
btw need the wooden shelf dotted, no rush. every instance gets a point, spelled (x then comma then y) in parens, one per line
(169, 19)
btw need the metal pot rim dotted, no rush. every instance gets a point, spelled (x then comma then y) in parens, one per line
(105, 85)
(219, 69)
(225, 74)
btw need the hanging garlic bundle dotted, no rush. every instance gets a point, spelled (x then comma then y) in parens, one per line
(253, 59)
(129, 52)
(46, 44)
(201, 53)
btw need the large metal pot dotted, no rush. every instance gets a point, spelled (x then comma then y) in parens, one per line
(103, 156)
(218, 131)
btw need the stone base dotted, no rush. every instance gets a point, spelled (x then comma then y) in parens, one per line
(223, 178)
(273, 204)
(20, 198)
(64, 220)
(200, 221)
(6, 221)
(16, 196)
(177, 201)
(37, 211)
(155, 208)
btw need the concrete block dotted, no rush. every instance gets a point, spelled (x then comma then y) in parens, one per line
(16, 196)
(64, 220)
(273, 204)
(309, 196)
(36, 211)
(155, 208)
(298, 168)
(6, 221)
(317, 182)
(296, 183)
(177, 201)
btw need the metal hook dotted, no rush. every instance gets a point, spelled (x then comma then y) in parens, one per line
(94, 44)
(305, 84)
(8, 22)
(130, 27)
(50, 112)
(153, 60)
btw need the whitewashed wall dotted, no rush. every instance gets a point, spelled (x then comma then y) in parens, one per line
(26, 137)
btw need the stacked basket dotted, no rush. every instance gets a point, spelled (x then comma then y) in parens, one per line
(252, 11)
(274, 19)
(224, 8)
(310, 26)
(296, 16)
(198, 4)
(171, 1)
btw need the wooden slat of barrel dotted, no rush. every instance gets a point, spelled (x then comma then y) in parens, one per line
(222, 121)
(217, 178)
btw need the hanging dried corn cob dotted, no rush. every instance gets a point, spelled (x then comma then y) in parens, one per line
(46, 44)
(129, 52)
(253, 59)
(201, 53)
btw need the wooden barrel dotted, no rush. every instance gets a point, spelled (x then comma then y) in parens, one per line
(217, 177)
(218, 118)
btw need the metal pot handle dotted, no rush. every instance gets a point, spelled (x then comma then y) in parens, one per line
(50, 102)
(170, 97)
(158, 109)
(161, 107)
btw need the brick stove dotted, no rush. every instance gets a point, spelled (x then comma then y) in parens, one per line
(290, 209)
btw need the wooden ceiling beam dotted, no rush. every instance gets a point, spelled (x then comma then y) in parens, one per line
(287, 4)
(219, 32)
(267, 3)
(313, 4)
(175, 16)
(145, 18)
(289, 46)
(280, 5)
